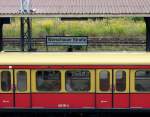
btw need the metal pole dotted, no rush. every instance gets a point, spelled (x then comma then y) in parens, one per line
(29, 21)
(147, 22)
(22, 34)
(1, 35)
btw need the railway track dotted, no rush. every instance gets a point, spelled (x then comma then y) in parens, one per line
(92, 41)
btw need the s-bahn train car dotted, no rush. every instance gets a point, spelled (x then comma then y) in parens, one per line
(93, 81)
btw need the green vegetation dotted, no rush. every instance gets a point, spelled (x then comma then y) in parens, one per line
(114, 27)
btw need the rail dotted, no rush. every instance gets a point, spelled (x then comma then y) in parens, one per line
(92, 41)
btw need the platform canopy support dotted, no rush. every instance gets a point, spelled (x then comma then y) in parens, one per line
(147, 22)
(22, 34)
(26, 33)
(1, 35)
(3, 21)
(26, 25)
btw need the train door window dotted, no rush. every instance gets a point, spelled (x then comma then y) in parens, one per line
(5, 81)
(142, 80)
(21, 81)
(120, 80)
(77, 80)
(48, 80)
(104, 78)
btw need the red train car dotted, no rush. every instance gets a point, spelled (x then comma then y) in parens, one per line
(75, 81)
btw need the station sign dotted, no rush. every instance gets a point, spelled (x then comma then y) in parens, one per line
(66, 40)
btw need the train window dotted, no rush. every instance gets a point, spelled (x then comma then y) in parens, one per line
(48, 80)
(5, 81)
(142, 80)
(104, 80)
(77, 80)
(22, 80)
(120, 80)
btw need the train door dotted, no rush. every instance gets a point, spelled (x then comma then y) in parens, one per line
(22, 88)
(112, 88)
(104, 88)
(6, 89)
(120, 88)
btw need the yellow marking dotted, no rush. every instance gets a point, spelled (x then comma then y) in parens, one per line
(33, 81)
(132, 81)
(123, 58)
(63, 80)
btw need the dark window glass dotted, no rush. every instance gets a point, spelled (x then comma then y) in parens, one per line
(22, 81)
(78, 80)
(104, 80)
(120, 80)
(5, 81)
(142, 80)
(48, 80)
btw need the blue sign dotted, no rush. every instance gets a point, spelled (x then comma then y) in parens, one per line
(54, 40)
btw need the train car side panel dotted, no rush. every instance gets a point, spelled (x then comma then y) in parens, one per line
(121, 100)
(103, 100)
(140, 101)
(140, 88)
(75, 88)
(22, 100)
(6, 100)
(63, 100)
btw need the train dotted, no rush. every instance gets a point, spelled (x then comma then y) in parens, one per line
(75, 81)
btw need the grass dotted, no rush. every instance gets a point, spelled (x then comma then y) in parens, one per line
(114, 27)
